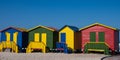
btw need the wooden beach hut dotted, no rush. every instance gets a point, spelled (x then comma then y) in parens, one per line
(42, 38)
(100, 38)
(69, 39)
(14, 38)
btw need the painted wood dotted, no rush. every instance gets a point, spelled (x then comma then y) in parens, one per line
(37, 37)
(63, 37)
(92, 37)
(15, 37)
(44, 38)
(51, 36)
(109, 35)
(7, 36)
(101, 37)
(69, 37)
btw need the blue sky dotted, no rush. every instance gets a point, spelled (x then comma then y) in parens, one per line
(57, 13)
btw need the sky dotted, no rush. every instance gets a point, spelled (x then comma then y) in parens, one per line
(57, 13)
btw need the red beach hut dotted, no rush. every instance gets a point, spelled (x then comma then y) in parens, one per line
(99, 37)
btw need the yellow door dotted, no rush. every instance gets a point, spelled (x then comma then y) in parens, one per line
(44, 38)
(36, 37)
(15, 35)
(7, 36)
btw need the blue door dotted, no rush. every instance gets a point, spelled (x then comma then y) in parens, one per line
(63, 37)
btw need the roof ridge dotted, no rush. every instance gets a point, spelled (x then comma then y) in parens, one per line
(22, 29)
(98, 24)
(42, 27)
(19, 29)
(74, 28)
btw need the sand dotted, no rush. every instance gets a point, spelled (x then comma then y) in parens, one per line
(114, 57)
(49, 56)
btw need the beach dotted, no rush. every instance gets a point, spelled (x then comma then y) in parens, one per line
(49, 56)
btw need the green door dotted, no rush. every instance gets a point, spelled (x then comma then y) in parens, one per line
(101, 36)
(92, 37)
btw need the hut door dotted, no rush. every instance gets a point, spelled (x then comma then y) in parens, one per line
(92, 37)
(15, 35)
(44, 38)
(7, 36)
(63, 37)
(101, 36)
(36, 37)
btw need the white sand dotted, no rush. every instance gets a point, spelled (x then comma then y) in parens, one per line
(114, 57)
(49, 56)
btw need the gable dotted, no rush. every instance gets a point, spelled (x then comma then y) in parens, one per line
(97, 28)
(47, 28)
(14, 28)
(70, 27)
(66, 29)
(11, 30)
(98, 24)
(42, 30)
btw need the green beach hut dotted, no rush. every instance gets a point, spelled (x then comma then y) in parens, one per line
(40, 38)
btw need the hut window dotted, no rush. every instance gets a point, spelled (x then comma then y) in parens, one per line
(101, 36)
(92, 37)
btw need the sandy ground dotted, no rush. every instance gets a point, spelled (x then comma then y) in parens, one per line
(49, 56)
(117, 57)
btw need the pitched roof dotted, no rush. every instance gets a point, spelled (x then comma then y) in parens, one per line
(49, 28)
(99, 25)
(16, 28)
(71, 27)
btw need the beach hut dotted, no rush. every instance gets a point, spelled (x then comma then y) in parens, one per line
(99, 38)
(14, 38)
(42, 38)
(69, 39)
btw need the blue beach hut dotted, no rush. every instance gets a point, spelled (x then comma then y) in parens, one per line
(14, 38)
